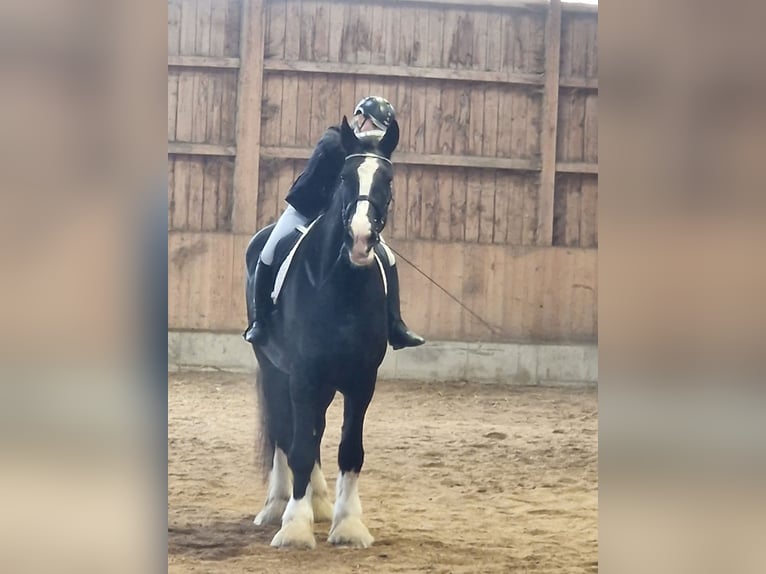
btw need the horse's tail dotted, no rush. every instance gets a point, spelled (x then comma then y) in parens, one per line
(264, 443)
(275, 411)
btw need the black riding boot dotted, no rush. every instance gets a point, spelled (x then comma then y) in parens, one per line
(398, 334)
(256, 333)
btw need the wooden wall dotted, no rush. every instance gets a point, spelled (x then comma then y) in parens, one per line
(496, 171)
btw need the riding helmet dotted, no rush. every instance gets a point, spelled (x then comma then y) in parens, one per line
(378, 109)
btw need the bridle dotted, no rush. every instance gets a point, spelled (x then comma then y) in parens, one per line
(381, 212)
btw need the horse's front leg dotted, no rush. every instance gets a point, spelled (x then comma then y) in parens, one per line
(347, 526)
(298, 519)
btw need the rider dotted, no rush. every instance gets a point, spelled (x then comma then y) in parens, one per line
(309, 196)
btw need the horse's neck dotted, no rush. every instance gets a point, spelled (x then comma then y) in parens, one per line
(329, 234)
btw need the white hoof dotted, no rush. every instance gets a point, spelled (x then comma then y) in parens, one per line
(351, 532)
(272, 512)
(297, 526)
(295, 534)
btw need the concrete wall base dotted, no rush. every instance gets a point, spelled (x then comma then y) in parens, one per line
(521, 364)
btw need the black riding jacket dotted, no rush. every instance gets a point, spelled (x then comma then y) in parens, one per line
(311, 193)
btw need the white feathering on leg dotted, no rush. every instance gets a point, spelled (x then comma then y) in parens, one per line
(297, 525)
(280, 487)
(347, 526)
(320, 501)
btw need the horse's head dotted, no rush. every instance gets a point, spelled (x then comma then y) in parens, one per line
(366, 189)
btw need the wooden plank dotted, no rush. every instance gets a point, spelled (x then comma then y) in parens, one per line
(225, 194)
(289, 116)
(171, 189)
(425, 73)
(188, 33)
(533, 122)
(390, 37)
(491, 121)
(349, 45)
(519, 124)
(200, 149)
(202, 40)
(304, 108)
(530, 210)
(487, 206)
(405, 38)
(337, 12)
(229, 109)
(577, 167)
(292, 31)
(425, 159)
(443, 182)
(509, 28)
(306, 29)
(459, 205)
(480, 30)
(215, 98)
(494, 56)
(172, 104)
(590, 129)
(174, 26)
(185, 107)
(514, 187)
(218, 29)
(579, 46)
(199, 274)
(420, 38)
(447, 317)
(502, 200)
(434, 40)
(544, 233)
(580, 83)
(505, 124)
(199, 112)
(211, 180)
(377, 25)
(473, 199)
(232, 45)
(461, 124)
(398, 209)
(179, 205)
(514, 281)
(591, 61)
(573, 211)
(196, 191)
(589, 212)
(434, 118)
(476, 125)
(347, 98)
(274, 47)
(429, 204)
(322, 33)
(216, 62)
(248, 131)
(414, 211)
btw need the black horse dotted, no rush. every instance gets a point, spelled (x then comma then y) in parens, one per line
(329, 333)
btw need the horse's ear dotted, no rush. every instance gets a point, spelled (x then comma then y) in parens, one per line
(389, 142)
(347, 136)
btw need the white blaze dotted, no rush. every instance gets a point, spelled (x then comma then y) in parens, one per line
(360, 221)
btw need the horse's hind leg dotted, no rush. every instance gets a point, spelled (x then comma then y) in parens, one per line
(298, 520)
(280, 485)
(347, 526)
(320, 496)
(275, 412)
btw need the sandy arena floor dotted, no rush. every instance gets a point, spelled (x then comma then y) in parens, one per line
(463, 478)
